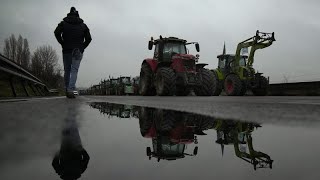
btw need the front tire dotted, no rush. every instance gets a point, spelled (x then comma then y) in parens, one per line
(207, 86)
(165, 82)
(145, 83)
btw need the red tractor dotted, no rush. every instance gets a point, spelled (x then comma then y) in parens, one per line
(171, 132)
(172, 71)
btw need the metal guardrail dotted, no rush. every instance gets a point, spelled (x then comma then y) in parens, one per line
(26, 78)
(311, 88)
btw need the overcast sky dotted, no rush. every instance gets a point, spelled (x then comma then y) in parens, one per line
(121, 29)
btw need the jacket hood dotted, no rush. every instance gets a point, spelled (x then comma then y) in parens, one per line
(73, 18)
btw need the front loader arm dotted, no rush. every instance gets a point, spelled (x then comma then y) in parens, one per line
(259, 41)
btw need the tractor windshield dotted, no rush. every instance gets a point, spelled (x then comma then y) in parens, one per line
(242, 61)
(172, 149)
(174, 47)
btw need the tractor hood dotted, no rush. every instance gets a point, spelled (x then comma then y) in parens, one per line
(184, 56)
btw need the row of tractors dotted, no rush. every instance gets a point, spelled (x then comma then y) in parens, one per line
(173, 71)
(171, 132)
(123, 85)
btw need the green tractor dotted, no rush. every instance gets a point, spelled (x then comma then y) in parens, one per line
(111, 87)
(124, 86)
(235, 73)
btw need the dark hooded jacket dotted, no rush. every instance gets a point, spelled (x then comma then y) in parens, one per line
(72, 33)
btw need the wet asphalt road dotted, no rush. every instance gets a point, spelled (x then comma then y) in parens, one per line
(270, 109)
(35, 132)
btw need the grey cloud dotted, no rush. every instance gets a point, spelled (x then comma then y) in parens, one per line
(121, 29)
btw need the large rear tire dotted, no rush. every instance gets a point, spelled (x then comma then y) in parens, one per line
(165, 82)
(263, 89)
(232, 85)
(145, 120)
(145, 83)
(217, 85)
(207, 86)
(165, 120)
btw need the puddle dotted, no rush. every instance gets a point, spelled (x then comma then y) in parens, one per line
(113, 141)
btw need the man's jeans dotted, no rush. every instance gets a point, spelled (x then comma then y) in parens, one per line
(71, 62)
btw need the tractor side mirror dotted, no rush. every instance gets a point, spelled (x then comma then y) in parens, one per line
(197, 47)
(150, 45)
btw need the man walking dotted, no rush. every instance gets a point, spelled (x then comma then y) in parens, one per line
(74, 36)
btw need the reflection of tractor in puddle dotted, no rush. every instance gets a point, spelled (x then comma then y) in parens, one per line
(118, 110)
(239, 134)
(170, 132)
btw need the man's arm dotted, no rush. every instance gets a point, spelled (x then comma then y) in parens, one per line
(87, 37)
(58, 31)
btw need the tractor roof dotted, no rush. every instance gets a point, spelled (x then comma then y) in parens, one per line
(229, 55)
(170, 39)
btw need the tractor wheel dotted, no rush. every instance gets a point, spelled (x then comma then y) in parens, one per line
(145, 120)
(217, 85)
(207, 87)
(165, 82)
(165, 120)
(263, 89)
(232, 85)
(243, 88)
(145, 83)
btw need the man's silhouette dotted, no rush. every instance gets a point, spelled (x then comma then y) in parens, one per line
(74, 36)
(72, 159)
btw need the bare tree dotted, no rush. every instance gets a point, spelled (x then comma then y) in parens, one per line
(25, 55)
(285, 79)
(17, 50)
(44, 64)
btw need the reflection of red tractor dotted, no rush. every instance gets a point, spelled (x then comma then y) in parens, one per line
(172, 71)
(169, 133)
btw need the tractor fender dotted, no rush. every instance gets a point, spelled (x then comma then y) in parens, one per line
(153, 64)
(218, 74)
(200, 65)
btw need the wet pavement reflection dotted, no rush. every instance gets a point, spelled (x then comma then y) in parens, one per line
(171, 131)
(72, 159)
(99, 140)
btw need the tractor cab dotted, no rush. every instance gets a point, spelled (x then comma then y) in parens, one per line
(226, 61)
(169, 133)
(125, 80)
(164, 148)
(166, 48)
(114, 81)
